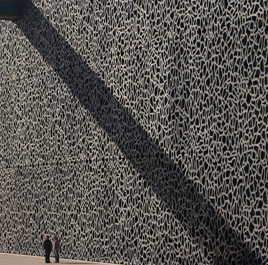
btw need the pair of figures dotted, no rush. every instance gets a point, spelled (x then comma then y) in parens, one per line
(47, 245)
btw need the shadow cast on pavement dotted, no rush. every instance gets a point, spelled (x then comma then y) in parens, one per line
(83, 262)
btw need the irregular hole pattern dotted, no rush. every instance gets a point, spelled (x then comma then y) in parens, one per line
(193, 75)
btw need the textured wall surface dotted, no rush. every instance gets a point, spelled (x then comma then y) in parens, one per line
(136, 130)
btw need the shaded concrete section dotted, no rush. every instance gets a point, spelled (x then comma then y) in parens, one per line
(13, 259)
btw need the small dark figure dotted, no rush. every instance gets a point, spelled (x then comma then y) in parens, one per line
(47, 245)
(57, 249)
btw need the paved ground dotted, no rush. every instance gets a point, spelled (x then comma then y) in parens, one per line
(12, 259)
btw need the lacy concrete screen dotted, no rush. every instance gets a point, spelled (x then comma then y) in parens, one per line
(136, 130)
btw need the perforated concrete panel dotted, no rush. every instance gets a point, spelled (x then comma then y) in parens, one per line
(136, 130)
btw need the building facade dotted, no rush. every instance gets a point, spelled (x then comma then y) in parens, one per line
(136, 131)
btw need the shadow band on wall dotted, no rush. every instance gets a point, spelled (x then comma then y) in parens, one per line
(181, 197)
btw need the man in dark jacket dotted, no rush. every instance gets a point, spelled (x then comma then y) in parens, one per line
(47, 245)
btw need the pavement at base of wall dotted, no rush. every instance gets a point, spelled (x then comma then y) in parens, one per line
(14, 259)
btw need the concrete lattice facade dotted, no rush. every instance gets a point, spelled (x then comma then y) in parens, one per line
(137, 130)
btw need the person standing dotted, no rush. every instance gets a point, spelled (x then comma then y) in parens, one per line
(57, 249)
(47, 245)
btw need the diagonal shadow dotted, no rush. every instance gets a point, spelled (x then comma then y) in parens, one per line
(181, 196)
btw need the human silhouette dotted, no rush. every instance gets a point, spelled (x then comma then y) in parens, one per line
(56, 249)
(47, 245)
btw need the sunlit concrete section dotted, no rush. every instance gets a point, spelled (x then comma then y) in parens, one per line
(13, 259)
